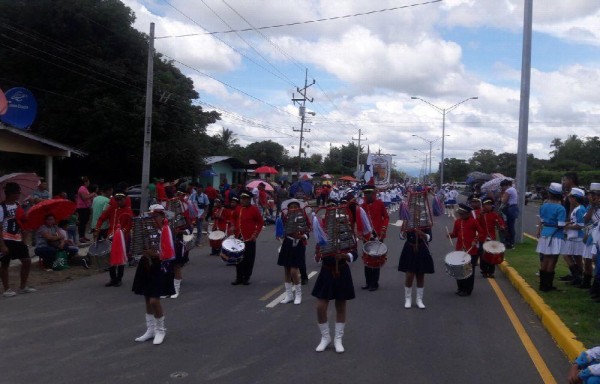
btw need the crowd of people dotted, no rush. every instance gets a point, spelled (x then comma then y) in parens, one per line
(568, 226)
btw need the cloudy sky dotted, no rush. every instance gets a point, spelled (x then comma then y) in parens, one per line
(367, 67)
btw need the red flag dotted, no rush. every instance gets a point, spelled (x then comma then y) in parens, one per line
(167, 247)
(118, 249)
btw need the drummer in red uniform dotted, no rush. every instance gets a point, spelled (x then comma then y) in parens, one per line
(379, 219)
(221, 217)
(117, 215)
(489, 220)
(248, 224)
(468, 235)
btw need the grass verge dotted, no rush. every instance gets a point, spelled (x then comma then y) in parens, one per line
(573, 305)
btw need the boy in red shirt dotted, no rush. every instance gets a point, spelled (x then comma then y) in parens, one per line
(468, 235)
(248, 224)
(489, 220)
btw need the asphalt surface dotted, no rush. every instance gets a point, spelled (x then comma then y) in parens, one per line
(82, 332)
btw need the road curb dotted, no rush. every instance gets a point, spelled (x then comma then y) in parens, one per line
(566, 340)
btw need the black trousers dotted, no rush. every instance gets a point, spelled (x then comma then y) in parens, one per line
(302, 268)
(116, 272)
(244, 268)
(83, 217)
(372, 277)
(466, 285)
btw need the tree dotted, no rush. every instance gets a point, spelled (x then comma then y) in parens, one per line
(455, 169)
(86, 66)
(484, 160)
(266, 152)
(227, 139)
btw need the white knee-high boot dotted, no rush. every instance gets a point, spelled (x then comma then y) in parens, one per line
(289, 295)
(159, 331)
(177, 284)
(325, 337)
(149, 329)
(339, 333)
(407, 297)
(420, 298)
(298, 293)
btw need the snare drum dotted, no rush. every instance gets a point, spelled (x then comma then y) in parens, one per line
(493, 252)
(232, 251)
(374, 254)
(189, 242)
(215, 239)
(99, 252)
(458, 265)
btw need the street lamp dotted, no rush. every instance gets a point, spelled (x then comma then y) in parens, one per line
(425, 167)
(444, 111)
(430, 147)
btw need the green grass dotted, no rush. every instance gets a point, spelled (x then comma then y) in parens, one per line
(573, 305)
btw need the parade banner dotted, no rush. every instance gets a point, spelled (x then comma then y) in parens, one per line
(378, 170)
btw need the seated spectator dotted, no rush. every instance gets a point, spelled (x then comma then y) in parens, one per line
(70, 247)
(586, 368)
(49, 241)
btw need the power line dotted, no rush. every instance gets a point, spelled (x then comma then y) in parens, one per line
(307, 21)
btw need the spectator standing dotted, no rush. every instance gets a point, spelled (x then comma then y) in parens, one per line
(99, 204)
(83, 201)
(202, 203)
(510, 209)
(41, 193)
(11, 239)
(212, 194)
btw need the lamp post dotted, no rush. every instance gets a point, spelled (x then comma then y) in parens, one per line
(425, 167)
(430, 149)
(444, 111)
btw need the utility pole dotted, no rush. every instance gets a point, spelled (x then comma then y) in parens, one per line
(358, 153)
(302, 111)
(524, 117)
(148, 123)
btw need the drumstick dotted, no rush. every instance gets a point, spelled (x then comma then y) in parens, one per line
(449, 238)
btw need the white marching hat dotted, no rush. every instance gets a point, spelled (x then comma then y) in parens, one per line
(285, 204)
(595, 187)
(577, 192)
(156, 208)
(555, 188)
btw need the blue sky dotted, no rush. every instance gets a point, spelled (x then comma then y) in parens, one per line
(369, 66)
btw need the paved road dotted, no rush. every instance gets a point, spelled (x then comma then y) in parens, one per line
(81, 332)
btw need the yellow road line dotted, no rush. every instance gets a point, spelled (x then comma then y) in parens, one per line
(535, 356)
(271, 293)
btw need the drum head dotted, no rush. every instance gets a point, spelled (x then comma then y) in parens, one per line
(494, 247)
(234, 245)
(99, 248)
(375, 248)
(216, 235)
(457, 258)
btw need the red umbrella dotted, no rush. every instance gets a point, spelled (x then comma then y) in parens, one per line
(347, 178)
(266, 169)
(61, 209)
(28, 182)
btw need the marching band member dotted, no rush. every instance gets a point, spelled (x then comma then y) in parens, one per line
(295, 229)
(489, 219)
(118, 215)
(550, 234)
(592, 248)
(450, 201)
(416, 260)
(181, 253)
(154, 278)
(221, 217)
(248, 224)
(468, 234)
(333, 283)
(379, 219)
(573, 246)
